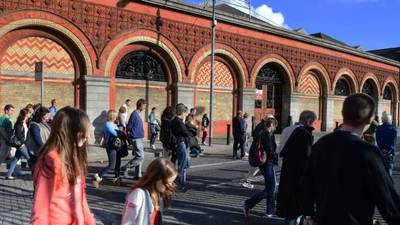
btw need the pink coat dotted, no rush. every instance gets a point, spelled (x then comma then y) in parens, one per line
(56, 202)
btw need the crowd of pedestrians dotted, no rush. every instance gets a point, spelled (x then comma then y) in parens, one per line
(340, 179)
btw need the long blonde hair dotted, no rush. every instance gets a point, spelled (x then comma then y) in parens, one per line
(69, 126)
(160, 169)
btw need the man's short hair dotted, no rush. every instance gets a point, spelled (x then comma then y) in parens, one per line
(53, 101)
(8, 107)
(181, 109)
(307, 116)
(358, 109)
(154, 108)
(140, 102)
(128, 100)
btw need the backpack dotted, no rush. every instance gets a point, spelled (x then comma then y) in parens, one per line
(167, 137)
(256, 155)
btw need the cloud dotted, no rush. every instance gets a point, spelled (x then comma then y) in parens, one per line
(262, 12)
(266, 13)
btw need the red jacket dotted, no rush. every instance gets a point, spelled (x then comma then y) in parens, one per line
(56, 201)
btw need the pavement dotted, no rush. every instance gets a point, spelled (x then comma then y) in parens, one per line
(215, 195)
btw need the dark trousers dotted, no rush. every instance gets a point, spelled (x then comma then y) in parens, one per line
(269, 191)
(238, 143)
(153, 138)
(114, 163)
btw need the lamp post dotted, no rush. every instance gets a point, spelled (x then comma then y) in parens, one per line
(213, 25)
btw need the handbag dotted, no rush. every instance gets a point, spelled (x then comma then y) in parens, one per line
(13, 141)
(115, 142)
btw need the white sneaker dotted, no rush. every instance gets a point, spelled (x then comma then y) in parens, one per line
(153, 147)
(269, 215)
(247, 185)
(97, 178)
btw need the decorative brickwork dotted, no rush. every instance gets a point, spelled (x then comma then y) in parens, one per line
(20, 58)
(309, 85)
(222, 75)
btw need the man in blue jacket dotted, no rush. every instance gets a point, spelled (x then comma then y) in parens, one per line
(386, 138)
(136, 134)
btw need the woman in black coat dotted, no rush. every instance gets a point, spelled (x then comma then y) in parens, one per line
(21, 130)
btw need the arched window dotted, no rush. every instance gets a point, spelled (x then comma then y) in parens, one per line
(342, 87)
(368, 88)
(387, 93)
(141, 66)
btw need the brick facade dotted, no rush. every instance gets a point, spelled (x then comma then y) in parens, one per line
(95, 35)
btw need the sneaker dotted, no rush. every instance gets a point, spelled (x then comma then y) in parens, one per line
(97, 177)
(126, 173)
(247, 185)
(269, 215)
(118, 181)
(153, 147)
(246, 211)
(10, 178)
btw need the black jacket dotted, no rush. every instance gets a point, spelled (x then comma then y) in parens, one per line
(238, 128)
(295, 154)
(346, 179)
(268, 146)
(19, 131)
(258, 129)
(205, 122)
(180, 130)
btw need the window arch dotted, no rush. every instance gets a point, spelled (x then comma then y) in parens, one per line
(141, 65)
(369, 88)
(342, 87)
(387, 93)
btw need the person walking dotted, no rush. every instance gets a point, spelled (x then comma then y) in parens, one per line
(238, 135)
(256, 134)
(121, 118)
(154, 127)
(136, 134)
(21, 131)
(124, 115)
(39, 131)
(114, 159)
(60, 170)
(182, 135)
(6, 128)
(53, 109)
(386, 138)
(268, 170)
(295, 148)
(193, 143)
(205, 122)
(346, 178)
(166, 136)
(153, 192)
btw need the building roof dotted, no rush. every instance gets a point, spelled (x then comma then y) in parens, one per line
(225, 8)
(390, 53)
(328, 38)
(257, 24)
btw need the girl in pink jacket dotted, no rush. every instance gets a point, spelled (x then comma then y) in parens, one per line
(59, 173)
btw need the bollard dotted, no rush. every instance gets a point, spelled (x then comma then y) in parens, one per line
(228, 134)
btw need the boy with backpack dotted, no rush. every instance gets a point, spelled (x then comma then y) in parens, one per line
(263, 154)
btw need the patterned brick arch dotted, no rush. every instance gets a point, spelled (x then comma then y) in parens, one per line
(350, 77)
(309, 85)
(320, 72)
(240, 71)
(20, 58)
(222, 75)
(23, 19)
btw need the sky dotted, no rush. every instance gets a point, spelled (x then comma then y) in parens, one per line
(373, 24)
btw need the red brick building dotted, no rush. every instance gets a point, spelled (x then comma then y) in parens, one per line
(97, 53)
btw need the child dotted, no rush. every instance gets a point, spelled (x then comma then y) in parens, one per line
(148, 197)
(60, 170)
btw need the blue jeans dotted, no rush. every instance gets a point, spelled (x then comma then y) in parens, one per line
(138, 158)
(183, 164)
(20, 152)
(114, 163)
(389, 166)
(297, 221)
(268, 193)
